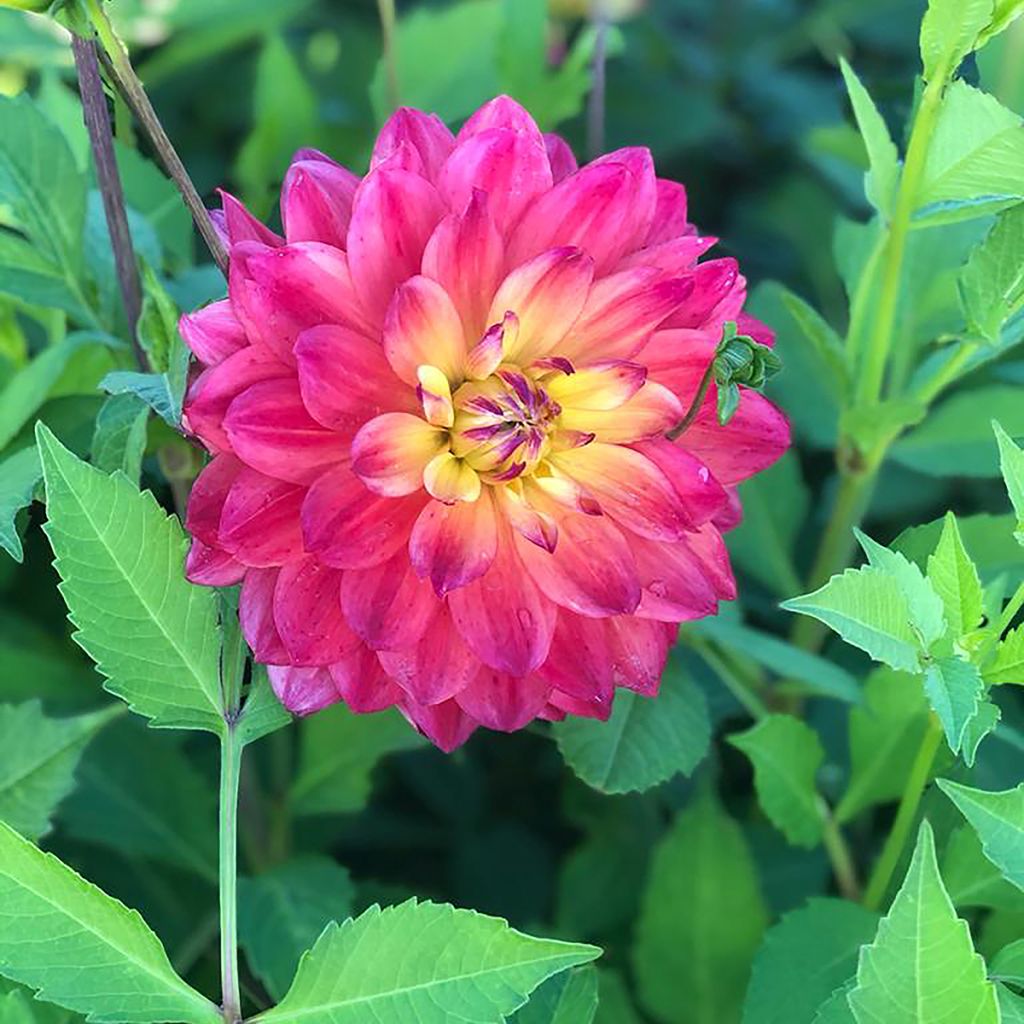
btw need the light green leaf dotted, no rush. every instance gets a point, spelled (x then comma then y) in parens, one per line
(1008, 964)
(992, 282)
(421, 961)
(979, 725)
(262, 712)
(786, 754)
(567, 998)
(885, 734)
(1011, 1006)
(836, 1009)
(955, 579)
(1008, 664)
(956, 440)
(20, 473)
(804, 958)
(1011, 466)
(18, 1007)
(702, 920)
(338, 753)
(614, 1005)
(40, 755)
(883, 157)
(646, 740)
(83, 949)
(282, 912)
(1006, 12)
(998, 818)
(868, 609)
(949, 32)
(954, 689)
(151, 632)
(922, 968)
(972, 880)
(988, 539)
(119, 439)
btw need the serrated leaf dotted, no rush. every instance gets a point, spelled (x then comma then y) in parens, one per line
(20, 473)
(836, 1009)
(646, 740)
(885, 734)
(786, 754)
(1004, 14)
(921, 967)
(954, 689)
(883, 157)
(992, 282)
(421, 961)
(81, 948)
(998, 818)
(119, 438)
(151, 633)
(949, 32)
(955, 579)
(1008, 963)
(567, 998)
(282, 912)
(804, 958)
(972, 880)
(702, 920)
(868, 609)
(262, 712)
(979, 725)
(1011, 1006)
(1008, 664)
(1011, 466)
(40, 755)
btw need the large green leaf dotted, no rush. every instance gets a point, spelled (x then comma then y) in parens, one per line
(786, 754)
(972, 880)
(1011, 1006)
(992, 283)
(119, 440)
(883, 157)
(421, 961)
(702, 920)
(804, 958)
(151, 633)
(20, 474)
(282, 912)
(1008, 963)
(1011, 466)
(1007, 666)
(921, 967)
(646, 741)
(40, 755)
(955, 579)
(998, 818)
(83, 949)
(955, 691)
(950, 31)
(567, 998)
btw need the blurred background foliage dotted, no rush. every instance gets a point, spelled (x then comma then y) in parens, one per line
(741, 100)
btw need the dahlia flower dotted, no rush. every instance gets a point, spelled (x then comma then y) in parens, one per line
(437, 411)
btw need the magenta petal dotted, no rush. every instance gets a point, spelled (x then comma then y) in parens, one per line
(303, 690)
(362, 682)
(206, 501)
(702, 495)
(426, 134)
(212, 567)
(239, 225)
(445, 724)
(560, 156)
(670, 214)
(387, 605)
(213, 333)
(307, 610)
(707, 545)
(675, 586)
(260, 521)
(593, 707)
(256, 614)
(452, 545)
(316, 202)
(580, 660)
(501, 112)
(503, 702)
(717, 296)
(639, 650)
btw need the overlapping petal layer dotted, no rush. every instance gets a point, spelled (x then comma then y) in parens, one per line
(437, 411)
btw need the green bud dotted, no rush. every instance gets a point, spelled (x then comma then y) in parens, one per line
(739, 359)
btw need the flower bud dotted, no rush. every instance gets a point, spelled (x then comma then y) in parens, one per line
(739, 359)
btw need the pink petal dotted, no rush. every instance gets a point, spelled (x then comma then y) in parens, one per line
(422, 326)
(546, 294)
(345, 378)
(387, 606)
(213, 333)
(718, 295)
(260, 521)
(579, 662)
(237, 224)
(206, 500)
(760, 332)
(561, 157)
(593, 707)
(503, 616)
(316, 202)
(390, 452)
(393, 216)
(212, 567)
(347, 526)
(671, 259)
(701, 494)
(445, 724)
(503, 702)
(303, 690)
(501, 112)
(670, 214)
(362, 682)
(639, 650)
(307, 611)
(452, 545)
(512, 167)
(426, 134)
(256, 615)
(465, 255)
(706, 544)
(675, 588)
(270, 430)
(678, 358)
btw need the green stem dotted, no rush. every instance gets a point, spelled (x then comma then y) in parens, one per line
(230, 770)
(1013, 606)
(947, 373)
(387, 28)
(906, 814)
(695, 405)
(839, 854)
(744, 692)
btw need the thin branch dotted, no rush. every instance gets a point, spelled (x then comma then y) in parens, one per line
(387, 29)
(596, 103)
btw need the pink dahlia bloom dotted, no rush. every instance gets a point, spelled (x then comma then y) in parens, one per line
(437, 409)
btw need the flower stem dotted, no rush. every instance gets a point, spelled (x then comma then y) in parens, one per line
(230, 771)
(839, 856)
(913, 791)
(745, 692)
(598, 89)
(135, 96)
(387, 28)
(695, 405)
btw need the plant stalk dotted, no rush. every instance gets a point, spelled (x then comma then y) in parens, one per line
(599, 82)
(387, 28)
(839, 856)
(230, 772)
(913, 791)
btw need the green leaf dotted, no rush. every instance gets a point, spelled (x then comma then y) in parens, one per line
(702, 920)
(1011, 466)
(868, 609)
(1011, 1006)
(949, 32)
(567, 998)
(1008, 964)
(20, 473)
(1006, 12)
(786, 754)
(972, 880)
(922, 968)
(955, 440)
(1008, 664)
(804, 958)
(992, 282)
(954, 689)
(836, 1009)
(646, 740)
(883, 157)
(83, 949)
(979, 725)
(955, 579)
(614, 1005)
(988, 539)
(884, 737)
(998, 818)
(975, 163)
(338, 753)
(421, 961)
(18, 1007)
(151, 632)
(262, 712)
(282, 912)
(119, 440)
(39, 761)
